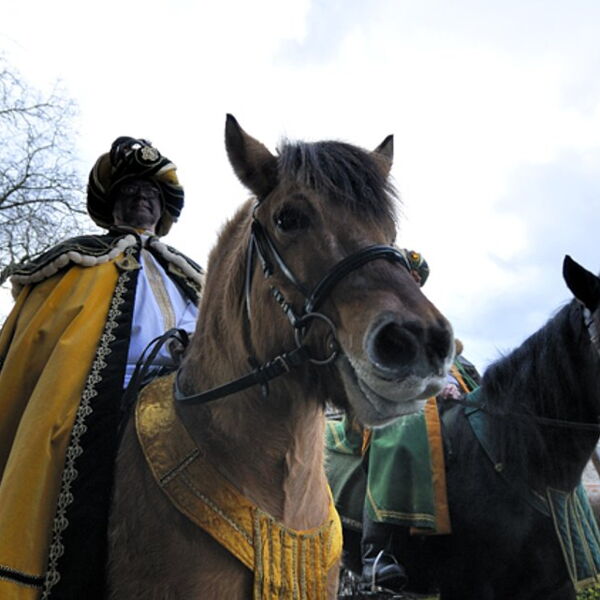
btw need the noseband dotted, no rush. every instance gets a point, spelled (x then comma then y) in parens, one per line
(261, 245)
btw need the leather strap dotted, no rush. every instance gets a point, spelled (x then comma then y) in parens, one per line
(261, 244)
(283, 363)
(346, 266)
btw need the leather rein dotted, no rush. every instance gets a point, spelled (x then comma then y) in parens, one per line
(261, 245)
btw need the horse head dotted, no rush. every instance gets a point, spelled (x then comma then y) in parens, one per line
(322, 227)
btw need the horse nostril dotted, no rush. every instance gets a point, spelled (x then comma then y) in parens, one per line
(440, 342)
(390, 347)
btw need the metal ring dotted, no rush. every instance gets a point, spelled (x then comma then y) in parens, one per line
(301, 329)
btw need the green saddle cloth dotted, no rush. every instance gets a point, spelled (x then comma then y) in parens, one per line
(346, 474)
(578, 534)
(571, 512)
(395, 475)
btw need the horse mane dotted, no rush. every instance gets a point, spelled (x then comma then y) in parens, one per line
(544, 376)
(346, 174)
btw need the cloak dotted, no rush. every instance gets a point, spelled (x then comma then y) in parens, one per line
(63, 352)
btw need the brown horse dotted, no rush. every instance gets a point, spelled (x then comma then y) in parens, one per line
(303, 282)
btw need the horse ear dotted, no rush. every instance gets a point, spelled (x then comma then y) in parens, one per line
(584, 285)
(253, 164)
(384, 155)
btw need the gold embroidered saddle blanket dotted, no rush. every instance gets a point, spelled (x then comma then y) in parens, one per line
(286, 563)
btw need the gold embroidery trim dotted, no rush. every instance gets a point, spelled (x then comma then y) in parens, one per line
(286, 563)
(74, 450)
(159, 290)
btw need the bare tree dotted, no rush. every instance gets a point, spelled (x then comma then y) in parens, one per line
(41, 192)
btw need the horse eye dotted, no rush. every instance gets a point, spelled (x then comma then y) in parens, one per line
(291, 219)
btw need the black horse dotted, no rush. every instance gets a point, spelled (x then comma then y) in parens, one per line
(537, 412)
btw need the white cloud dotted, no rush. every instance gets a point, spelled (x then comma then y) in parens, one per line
(487, 101)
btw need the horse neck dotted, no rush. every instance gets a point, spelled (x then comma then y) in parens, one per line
(271, 448)
(554, 374)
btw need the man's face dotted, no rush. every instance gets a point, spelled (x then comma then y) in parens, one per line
(137, 204)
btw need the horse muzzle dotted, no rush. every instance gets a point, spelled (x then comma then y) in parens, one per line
(401, 364)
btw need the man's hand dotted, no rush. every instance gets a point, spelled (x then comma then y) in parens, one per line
(450, 392)
(176, 350)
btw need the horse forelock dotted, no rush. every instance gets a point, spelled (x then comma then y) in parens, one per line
(343, 173)
(554, 373)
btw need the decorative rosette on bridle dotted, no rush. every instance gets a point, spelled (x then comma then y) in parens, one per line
(131, 158)
(417, 263)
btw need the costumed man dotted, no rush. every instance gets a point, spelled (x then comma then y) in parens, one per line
(404, 464)
(85, 311)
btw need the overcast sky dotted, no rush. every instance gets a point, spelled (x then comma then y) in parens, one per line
(495, 109)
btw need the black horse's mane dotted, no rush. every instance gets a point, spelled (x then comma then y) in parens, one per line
(346, 174)
(540, 377)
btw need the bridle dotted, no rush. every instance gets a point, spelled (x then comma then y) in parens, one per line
(261, 245)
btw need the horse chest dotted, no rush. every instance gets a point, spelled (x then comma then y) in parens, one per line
(283, 561)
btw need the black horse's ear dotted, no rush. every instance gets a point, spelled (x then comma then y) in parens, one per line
(254, 165)
(384, 155)
(584, 285)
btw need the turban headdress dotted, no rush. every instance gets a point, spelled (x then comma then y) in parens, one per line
(131, 158)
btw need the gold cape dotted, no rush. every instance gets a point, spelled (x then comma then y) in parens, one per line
(47, 345)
